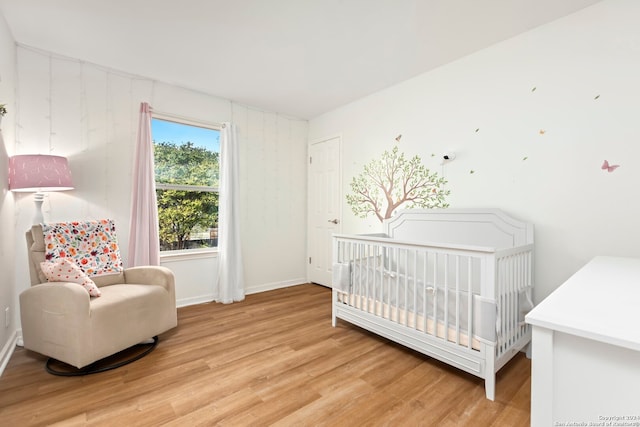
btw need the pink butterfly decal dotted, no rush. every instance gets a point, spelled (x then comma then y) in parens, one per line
(609, 168)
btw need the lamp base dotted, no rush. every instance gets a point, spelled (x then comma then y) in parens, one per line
(38, 198)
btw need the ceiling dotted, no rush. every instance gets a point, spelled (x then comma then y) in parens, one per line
(296, 57)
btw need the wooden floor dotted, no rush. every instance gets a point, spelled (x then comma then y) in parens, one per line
(273, 359)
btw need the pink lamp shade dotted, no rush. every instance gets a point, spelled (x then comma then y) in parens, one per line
(39, 173)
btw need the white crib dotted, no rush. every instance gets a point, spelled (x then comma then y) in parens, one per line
(454, 284)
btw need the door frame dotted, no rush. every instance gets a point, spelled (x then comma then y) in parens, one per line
(337, 136)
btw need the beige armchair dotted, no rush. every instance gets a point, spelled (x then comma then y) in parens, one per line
(62, 321)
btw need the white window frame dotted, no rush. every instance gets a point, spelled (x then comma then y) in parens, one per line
(186, 254)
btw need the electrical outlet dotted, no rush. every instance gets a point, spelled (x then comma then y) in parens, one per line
(7, 317)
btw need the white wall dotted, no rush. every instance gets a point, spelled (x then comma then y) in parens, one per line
(579, 210)
(90, 114)
(8, 297)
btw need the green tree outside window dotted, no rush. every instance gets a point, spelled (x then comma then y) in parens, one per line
(187, 180)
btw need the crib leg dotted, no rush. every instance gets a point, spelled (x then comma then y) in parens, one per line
(334, 298)
(490, 387)
(490, 373)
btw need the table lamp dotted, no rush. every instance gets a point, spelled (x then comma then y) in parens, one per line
(39, 173)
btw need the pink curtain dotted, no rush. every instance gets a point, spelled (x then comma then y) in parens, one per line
(144, 240)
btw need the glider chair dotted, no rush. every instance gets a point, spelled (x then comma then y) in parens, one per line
(83, 306)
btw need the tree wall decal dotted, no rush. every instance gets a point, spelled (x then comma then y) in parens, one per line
(391, 181)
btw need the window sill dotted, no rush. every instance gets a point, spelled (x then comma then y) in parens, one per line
(170, 256)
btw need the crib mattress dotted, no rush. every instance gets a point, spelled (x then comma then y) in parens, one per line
(413, 298)
(410, 319)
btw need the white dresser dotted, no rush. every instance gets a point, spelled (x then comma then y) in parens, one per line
(586, 348)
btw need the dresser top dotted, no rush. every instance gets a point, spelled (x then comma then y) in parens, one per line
(600, 302)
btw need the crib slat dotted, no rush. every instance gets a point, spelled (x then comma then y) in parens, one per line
(373, 259)
(502, 300)
(511, 285)
(446, 297)
(470, 330)
(352, 258)
(406, 286)
(378, 278)
(457, 314)
(517, 282)
(395, 290)
(397, 281)
(425, 299)
(504, 278)
(435, 295)
(363, 287)
(513, 288)
(513, 320)
(407, 281)
(415, 289)
(506, 301)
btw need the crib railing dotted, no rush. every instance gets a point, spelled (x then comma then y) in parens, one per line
(457, 294)
(514, 286)
(435, 289)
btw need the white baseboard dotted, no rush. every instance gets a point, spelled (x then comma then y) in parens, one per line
(274, 285)
(203, 299)
(7, 351)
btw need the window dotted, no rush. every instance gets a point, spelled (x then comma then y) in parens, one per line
(186, 157)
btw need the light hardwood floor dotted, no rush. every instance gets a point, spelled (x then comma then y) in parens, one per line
(273, 359)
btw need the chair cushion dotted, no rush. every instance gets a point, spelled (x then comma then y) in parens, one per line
(64, 270)
(127, 314)
(129, 297)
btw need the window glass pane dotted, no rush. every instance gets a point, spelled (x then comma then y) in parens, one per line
(185, 154)
(188, 219)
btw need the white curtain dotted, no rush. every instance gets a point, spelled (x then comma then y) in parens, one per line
(230, 272)
(144, 241)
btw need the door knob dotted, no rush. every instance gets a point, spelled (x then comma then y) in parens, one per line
(335, 221)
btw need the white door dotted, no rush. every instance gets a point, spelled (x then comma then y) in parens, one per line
(324, 207)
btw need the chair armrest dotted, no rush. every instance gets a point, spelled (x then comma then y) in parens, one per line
(55, 320)
(57, 295)
(151, 275)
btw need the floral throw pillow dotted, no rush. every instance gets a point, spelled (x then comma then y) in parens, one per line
(92, 245)
(64, 270)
